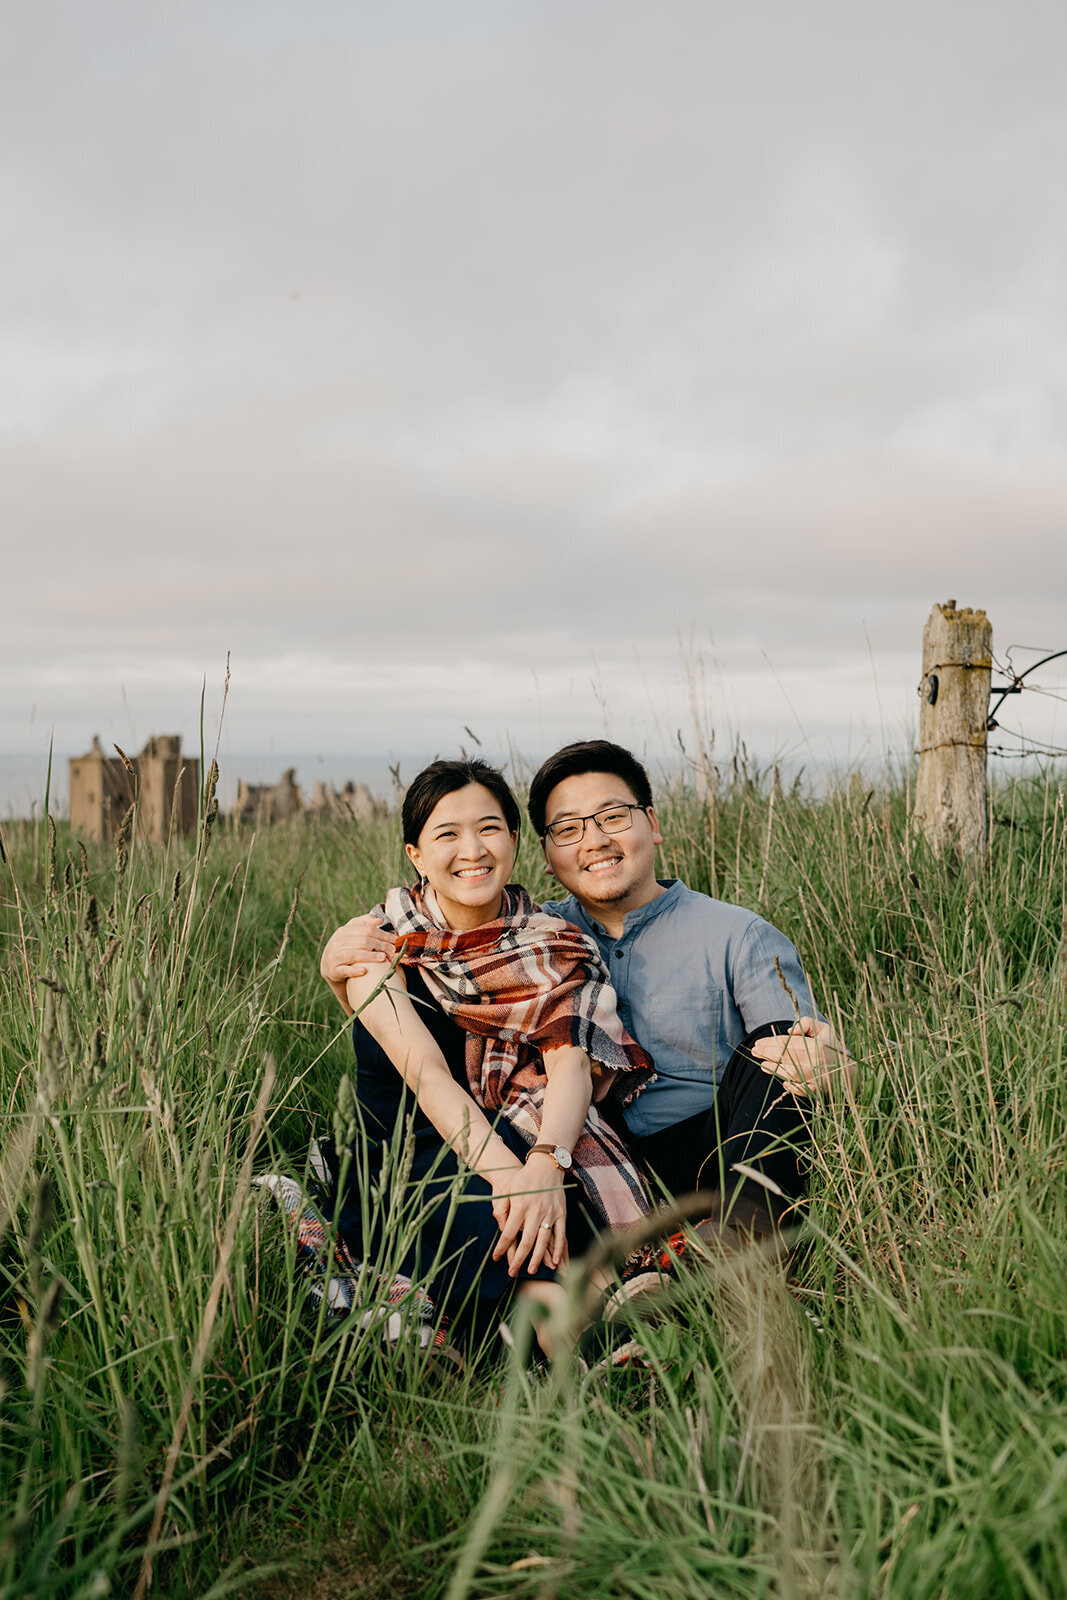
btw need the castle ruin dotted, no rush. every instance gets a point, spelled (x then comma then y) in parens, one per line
(165, 786)
(281, 802)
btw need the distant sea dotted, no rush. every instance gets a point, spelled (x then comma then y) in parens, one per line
(23, 773)
(23, 780)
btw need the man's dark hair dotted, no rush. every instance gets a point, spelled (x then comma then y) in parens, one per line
(587, 755)
(445, 777)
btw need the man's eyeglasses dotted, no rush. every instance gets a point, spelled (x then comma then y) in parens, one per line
(613, 819)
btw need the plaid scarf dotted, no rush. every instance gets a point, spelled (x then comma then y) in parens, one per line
(524, 983)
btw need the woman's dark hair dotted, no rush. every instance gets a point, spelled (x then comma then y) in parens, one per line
(587, 755)
(445, 777)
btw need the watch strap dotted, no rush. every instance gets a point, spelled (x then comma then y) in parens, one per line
(545, 1150)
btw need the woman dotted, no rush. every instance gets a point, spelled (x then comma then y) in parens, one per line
(501, 1022)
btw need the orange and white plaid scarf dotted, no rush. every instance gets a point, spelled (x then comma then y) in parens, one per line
(524, 983)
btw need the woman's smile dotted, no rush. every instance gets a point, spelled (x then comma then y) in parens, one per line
(465, 852)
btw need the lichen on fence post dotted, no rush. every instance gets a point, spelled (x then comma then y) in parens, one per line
(950, 792)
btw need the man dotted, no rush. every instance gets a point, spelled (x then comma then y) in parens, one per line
(702, 985)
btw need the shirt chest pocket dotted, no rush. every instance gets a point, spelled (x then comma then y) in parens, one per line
(684, 1029)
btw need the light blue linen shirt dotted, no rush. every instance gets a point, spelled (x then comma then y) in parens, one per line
(693, 976)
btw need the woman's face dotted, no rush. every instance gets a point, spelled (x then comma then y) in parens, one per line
(466, 854)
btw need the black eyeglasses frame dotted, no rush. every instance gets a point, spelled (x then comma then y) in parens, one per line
(621, 805)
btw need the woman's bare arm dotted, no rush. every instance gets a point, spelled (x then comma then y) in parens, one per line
(568, 1093)
(393, 1022)
(529, 1204)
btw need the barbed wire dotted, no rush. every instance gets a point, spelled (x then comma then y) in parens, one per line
(1028, 747)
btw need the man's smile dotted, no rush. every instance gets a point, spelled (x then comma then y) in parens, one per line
(602, 863)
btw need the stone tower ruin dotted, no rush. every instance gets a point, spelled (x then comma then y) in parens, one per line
(165, 786)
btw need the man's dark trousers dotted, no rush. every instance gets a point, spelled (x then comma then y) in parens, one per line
(755, 1121)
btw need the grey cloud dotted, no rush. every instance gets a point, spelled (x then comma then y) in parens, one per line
(556, 332)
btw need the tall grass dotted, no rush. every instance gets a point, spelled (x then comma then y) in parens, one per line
(178, 1418)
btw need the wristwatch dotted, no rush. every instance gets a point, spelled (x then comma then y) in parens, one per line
(559, 1153)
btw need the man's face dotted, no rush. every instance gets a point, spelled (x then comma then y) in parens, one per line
(603, 869)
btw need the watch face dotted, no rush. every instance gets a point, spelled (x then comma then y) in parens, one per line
(563, 1158)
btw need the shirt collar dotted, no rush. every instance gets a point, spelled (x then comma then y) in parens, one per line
(633, 920)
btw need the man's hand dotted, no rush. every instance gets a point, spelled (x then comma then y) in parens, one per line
(810, 1057)
(352, 950)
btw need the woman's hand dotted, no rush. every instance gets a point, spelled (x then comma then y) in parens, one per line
(531, 1212)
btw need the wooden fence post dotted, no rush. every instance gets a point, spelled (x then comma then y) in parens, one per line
(950, 792)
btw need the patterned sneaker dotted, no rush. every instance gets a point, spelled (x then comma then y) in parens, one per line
(334, 1274)
(603, 1349)
(408, 1313)
(313, 1248)
(650, 1269)
(631, 1356)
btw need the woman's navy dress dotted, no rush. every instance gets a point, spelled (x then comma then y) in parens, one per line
(448, 1249)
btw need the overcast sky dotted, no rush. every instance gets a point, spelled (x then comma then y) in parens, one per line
(535, 368)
